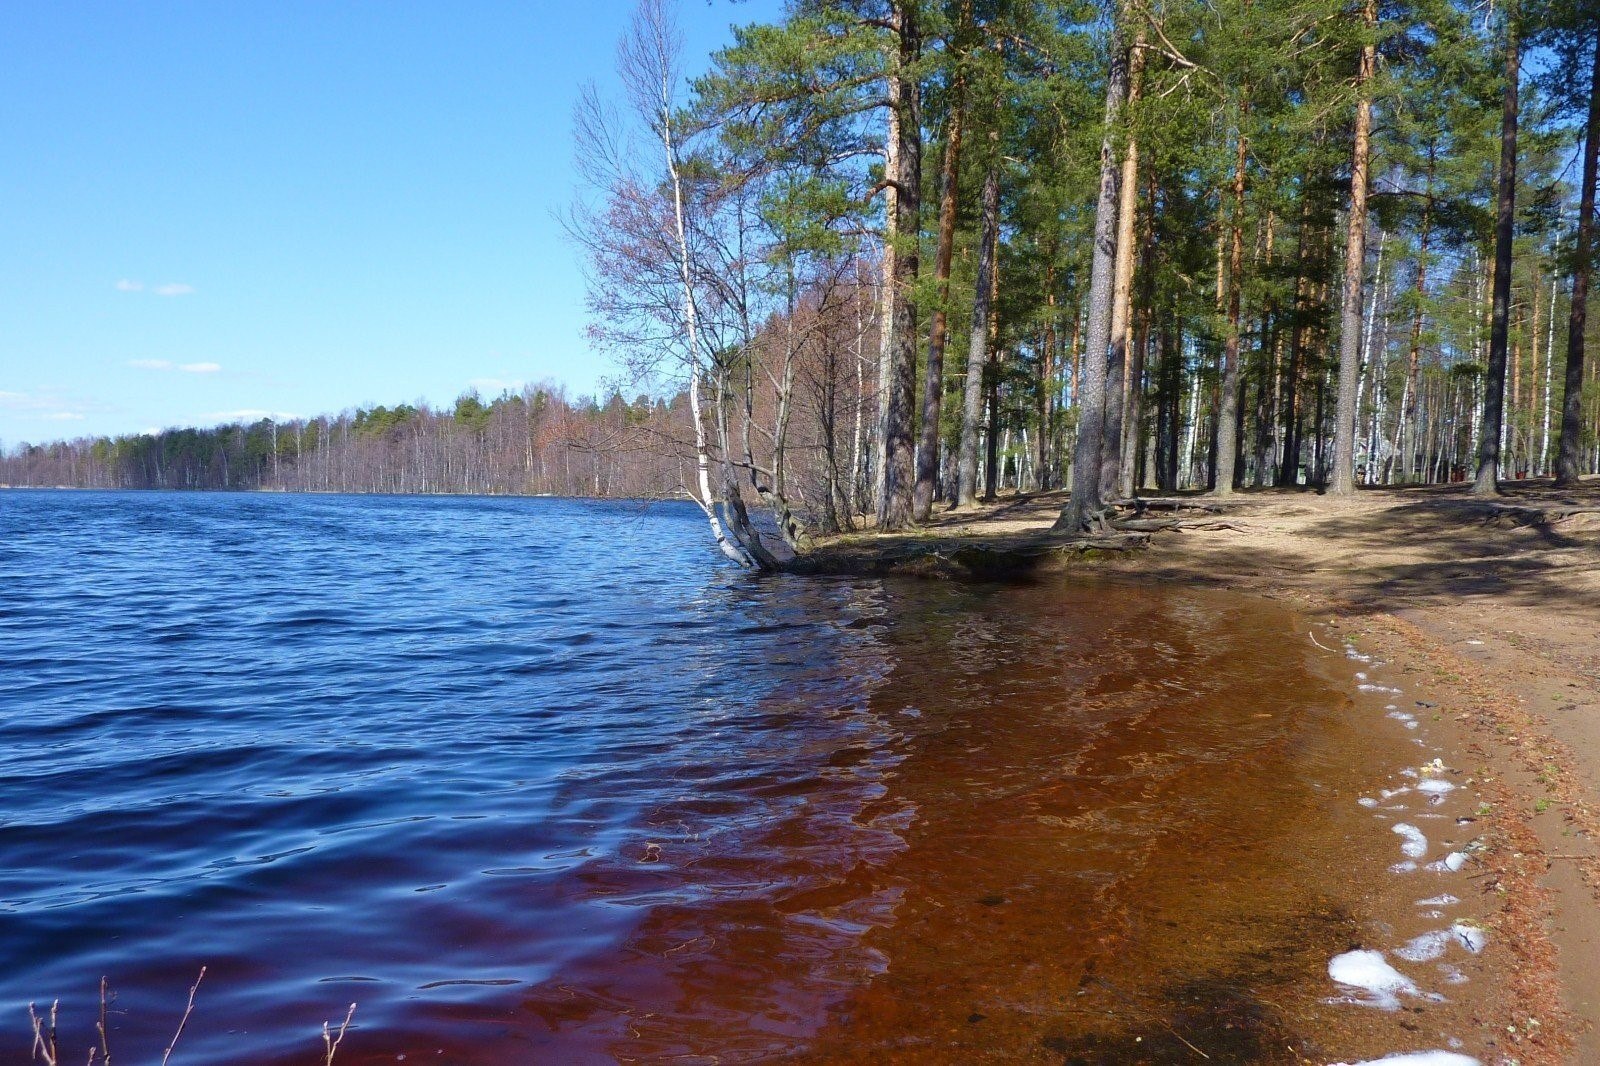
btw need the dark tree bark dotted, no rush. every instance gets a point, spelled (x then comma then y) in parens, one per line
(978, 349)
(1131, 476)
(933, 372)
(1343, 481)
(1289, 399)
(1084, 500)
(1169, 397)
(903, 164)
(1406, 451)
(1568, 454)
(1228, 412)
(1319, 448)
(1267, 371)
(991, 443)
(1488, 479)
(1046, 406)
(1117, 370)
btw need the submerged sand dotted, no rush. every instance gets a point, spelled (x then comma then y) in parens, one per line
(1492, 608)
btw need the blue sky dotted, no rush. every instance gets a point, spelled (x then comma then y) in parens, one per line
(214, 211)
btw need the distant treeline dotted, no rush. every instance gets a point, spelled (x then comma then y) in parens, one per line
(535, 441)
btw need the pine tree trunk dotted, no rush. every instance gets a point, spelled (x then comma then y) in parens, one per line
(899, 452)
(1130, 477)
(886, 318)
(1227, 439)
(1405, 450)
(1084, 500)
(1288, 402)
(933, 373)
(1267, 376)
(978, 348)
(1487, 482)
(992, 473)
(1047, 374)
(1168, 400)
(1568, 460)
(1343, 481)
(1117, 377)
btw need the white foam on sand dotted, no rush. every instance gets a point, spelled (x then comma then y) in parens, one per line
(1413, 844)
(1435, 789)
(1450, 863)
(1418, 1058)
(1470, 937)
(1367, 801)
(1367, 971)
(1445, 900)
(1424, 948)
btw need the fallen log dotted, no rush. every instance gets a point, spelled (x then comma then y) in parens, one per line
(1140, 504)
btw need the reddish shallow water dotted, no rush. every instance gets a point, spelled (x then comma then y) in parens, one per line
(1073, 823)
(524, 802)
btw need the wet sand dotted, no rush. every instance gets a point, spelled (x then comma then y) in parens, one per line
(1350, 849)
(1494, 609)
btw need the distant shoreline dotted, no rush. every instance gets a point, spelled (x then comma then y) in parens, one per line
(352, 492)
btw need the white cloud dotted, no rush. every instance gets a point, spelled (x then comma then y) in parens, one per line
(173, 288)
(45, 407)
(495, 385)
(124, 285)
(248, 414)
(167, 364)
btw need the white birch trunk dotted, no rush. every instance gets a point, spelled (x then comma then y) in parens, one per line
(706, 499)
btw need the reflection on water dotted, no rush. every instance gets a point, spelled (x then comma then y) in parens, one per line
(534, 780)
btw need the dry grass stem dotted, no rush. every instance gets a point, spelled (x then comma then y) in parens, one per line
(105, 1045)
(44, 1030)
(329, 1041)
(188, 1010)
(44, 1037)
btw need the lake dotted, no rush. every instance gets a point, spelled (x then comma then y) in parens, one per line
(538, 780)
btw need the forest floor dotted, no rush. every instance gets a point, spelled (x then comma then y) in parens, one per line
(1495, 606)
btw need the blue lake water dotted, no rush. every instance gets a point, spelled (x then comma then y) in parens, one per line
(540, 780)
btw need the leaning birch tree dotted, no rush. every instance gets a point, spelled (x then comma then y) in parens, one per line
(640, 241)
